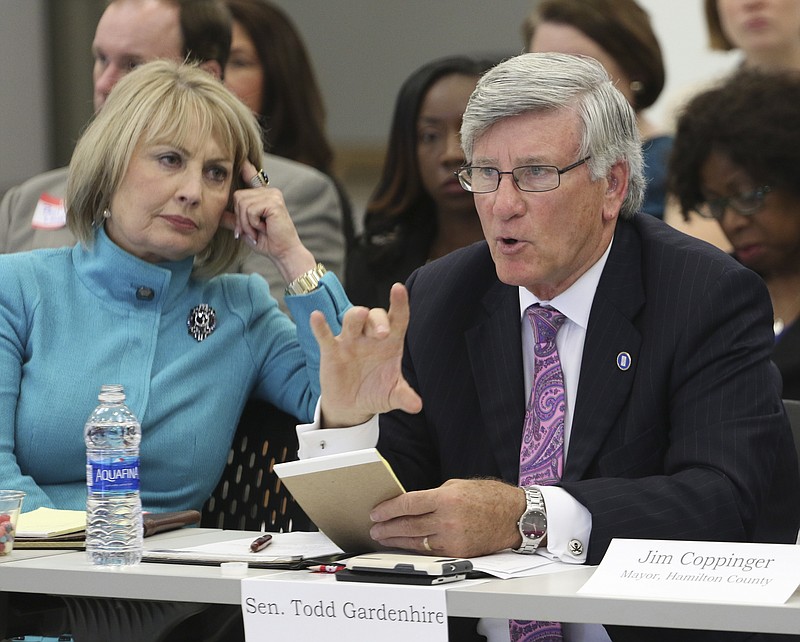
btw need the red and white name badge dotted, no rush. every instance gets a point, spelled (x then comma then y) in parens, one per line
(50, 213)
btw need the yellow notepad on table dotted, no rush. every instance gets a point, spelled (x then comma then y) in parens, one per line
(45, 523)
(339, 491)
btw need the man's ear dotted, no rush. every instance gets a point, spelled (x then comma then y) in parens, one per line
(616, 189)
(213, 67)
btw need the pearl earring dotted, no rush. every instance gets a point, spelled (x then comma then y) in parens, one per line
(106, 213)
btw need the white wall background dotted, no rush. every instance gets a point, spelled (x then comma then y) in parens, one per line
(362, 50)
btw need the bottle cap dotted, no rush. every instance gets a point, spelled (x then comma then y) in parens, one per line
(112, 392)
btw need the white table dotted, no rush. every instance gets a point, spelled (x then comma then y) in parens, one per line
(70, 573)
(552, 597)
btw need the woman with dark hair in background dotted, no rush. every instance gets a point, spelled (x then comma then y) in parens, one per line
(418, 211)
(736, 160)
(269, 69)
(766, 34)
(618, 34)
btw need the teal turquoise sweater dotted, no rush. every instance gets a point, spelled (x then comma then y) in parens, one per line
(71, 320)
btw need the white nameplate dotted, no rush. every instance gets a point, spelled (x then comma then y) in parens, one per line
(701, 571)
(315, 606)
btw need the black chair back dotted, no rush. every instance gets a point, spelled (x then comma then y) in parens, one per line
(250, 496)
(793, 410)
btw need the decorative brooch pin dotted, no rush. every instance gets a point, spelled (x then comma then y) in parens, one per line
(202, 321)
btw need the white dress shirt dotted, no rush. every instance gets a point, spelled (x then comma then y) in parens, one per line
(567, 518)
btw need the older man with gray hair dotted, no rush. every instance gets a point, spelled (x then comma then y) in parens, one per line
(586, 373)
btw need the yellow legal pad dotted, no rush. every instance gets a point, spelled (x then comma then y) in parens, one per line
(49, 522)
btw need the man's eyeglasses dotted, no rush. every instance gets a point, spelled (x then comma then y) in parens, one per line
(744, 204)
(529, 178)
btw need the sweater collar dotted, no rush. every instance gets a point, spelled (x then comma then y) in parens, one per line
(112, 273)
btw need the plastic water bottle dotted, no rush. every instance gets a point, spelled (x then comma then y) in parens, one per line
(113, 507)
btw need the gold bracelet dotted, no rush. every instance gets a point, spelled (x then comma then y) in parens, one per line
(307, 282)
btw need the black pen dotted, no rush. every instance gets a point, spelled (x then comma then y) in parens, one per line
(261, 543)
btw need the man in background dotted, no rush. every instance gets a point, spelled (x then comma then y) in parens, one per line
(129, 33)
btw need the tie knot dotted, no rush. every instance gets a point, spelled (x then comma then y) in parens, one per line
(546, 322)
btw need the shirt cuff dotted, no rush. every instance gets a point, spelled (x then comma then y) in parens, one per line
(569, 525)
(314, 440)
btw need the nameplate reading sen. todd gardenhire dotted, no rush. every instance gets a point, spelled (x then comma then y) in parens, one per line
(313, 606)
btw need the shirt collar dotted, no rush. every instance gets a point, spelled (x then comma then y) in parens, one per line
(575, 302)
(111, 272)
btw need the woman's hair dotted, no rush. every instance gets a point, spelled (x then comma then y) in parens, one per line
(293, 112)
(158, 101)
(716, 36)
(620, 27)
(546, 82)
(753, 119)
(206, 30)
(400, 198)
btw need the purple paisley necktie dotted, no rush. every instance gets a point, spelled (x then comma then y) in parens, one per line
(541, 458)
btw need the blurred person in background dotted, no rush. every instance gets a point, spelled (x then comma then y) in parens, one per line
(736, 160)
(766, 31)
(418, 211)
(618, 34)
(270, 70)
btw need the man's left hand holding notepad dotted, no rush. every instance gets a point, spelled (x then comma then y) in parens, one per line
(53, 528)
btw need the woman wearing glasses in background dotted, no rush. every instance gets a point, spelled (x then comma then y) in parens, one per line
(736, 159)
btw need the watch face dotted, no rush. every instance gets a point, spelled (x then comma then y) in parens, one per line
(533, 524)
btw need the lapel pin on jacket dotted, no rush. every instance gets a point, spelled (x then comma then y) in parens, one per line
(202, 321)
(624, 361)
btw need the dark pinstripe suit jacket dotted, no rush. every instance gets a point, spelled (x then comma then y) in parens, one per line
(690, 443)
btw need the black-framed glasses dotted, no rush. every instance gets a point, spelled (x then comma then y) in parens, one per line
(745, 204)
(529, 178)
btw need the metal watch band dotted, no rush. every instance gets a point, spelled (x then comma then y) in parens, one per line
(307, 282)
(535, 504)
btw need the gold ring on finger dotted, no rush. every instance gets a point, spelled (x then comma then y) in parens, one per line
(260, 179)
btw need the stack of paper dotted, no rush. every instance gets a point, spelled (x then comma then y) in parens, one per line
(51, 528)
(507, 564)
(286, 550)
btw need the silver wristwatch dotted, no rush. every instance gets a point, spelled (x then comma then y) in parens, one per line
(307, 282)
(533, 523)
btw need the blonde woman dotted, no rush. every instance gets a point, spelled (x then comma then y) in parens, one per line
(163, 193)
